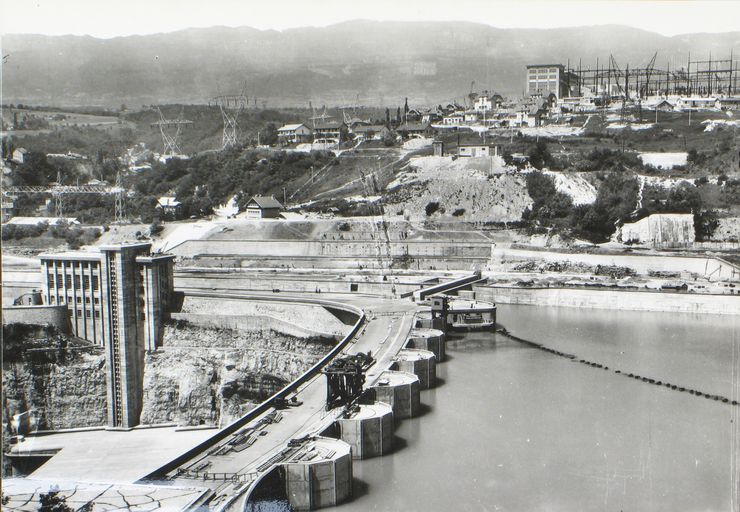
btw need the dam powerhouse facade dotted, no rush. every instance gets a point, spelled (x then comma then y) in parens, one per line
(116, 298)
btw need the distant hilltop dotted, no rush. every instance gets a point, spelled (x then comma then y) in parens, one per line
(351, 63)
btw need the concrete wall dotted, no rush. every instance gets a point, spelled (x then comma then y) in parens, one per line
(293, 283)
(331, 248)
(712, 268)
(37, 315)
(613, 299)
(247, 323)
(281, 313)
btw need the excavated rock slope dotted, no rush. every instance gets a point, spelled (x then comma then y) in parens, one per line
(207, 375)
(59, 378)
(466, 189)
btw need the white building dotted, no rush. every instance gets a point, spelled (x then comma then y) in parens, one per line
(19, 155)
(483, 104)
(294, 133)
(476, 150)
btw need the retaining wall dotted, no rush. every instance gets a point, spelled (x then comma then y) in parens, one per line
(38, 315)
(712, 268)
(331, 248)
(613, 299)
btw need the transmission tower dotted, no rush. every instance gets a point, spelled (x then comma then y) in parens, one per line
(119, 209)
(231, 106)
(170, 130)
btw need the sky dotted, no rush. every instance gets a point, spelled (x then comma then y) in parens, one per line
(113, 18)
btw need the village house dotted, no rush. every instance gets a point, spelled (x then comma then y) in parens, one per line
(483, 103)
(263, 207)
(293, 133)
(334, 130)
(732, 103)
(372, 131)
(697, 103)
(454, 119)
(169, 205)
(470, 117)
(20, 155)
(414, 129)
(476, 150)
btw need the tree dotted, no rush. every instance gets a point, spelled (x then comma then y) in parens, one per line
(615, 201)
(269, 135)
(52, 502)
(704, 225)
(387, 118)
(547, 202)
(539, 155)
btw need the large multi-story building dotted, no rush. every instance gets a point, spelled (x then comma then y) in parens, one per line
(116, 298)
(546, 79)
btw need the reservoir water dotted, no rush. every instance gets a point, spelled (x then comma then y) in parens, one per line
(511, 427)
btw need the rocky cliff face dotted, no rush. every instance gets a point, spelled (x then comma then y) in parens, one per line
(50, 381)
(60, 379)
(206, 375)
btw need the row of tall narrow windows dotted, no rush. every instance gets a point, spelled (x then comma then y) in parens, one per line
(67, 280)
(71, 300)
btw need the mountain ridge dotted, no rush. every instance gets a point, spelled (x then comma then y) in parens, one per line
(383, 62)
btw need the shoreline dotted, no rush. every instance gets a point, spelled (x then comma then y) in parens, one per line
(626, 300)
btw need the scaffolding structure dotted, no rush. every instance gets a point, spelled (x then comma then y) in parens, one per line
(609, 81)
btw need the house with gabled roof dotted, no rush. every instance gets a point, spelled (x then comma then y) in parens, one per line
(294, 133)
(335, 130)
(263, 207)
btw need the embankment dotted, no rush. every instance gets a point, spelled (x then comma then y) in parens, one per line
(707, 267)
(675, 302)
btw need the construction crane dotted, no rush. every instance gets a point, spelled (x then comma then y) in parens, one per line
(373, 189)
(58, 191)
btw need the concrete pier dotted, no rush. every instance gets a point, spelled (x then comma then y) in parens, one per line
(470, 314)
(422, 363)
(401, 391)
(368, 430)
(424, 320)
(432, 340)
(319, 474)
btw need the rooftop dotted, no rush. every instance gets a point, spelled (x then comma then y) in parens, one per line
(414, 354)
(545, 66)
(290, 127)
(394, 378)
(266, 202)
(373, 410)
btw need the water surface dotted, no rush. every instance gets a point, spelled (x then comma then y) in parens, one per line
(516, 428)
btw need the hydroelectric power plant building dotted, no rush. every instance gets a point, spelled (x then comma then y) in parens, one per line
(116, 298)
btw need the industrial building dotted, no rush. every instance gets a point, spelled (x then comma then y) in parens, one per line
(546, 79)
(116, 298)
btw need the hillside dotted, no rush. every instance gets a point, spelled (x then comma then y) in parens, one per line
(382, 62)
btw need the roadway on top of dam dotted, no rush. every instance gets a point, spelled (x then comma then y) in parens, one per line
(388, 323)
(113, 456)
